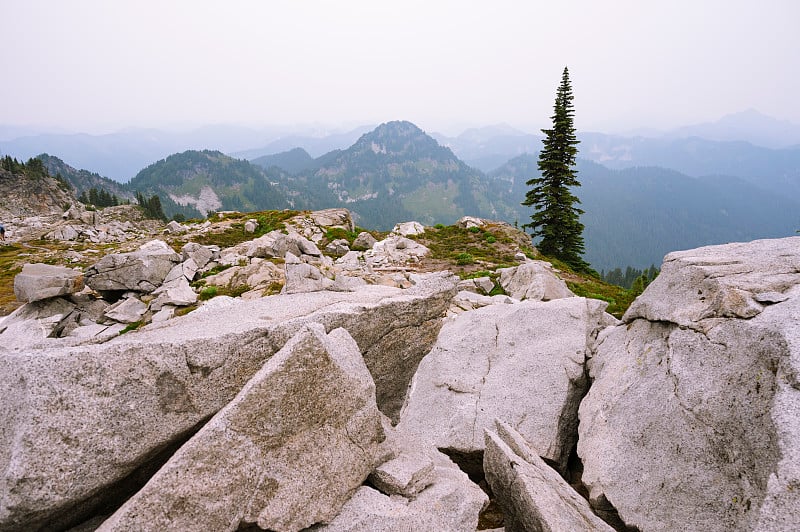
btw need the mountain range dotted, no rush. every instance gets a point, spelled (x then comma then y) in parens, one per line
(635, 209)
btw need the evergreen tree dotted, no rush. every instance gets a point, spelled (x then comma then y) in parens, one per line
(556, 218)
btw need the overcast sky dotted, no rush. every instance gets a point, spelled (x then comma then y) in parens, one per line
(101, 65)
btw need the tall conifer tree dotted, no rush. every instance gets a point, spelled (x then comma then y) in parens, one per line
(556, 217)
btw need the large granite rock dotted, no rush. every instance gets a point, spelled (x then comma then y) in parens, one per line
(533, 495)
(693, 420)
(533, 280)
(286, 453)
(522, 363)
(75, 422)
(731, 281)
(142, 271)
(41, 281)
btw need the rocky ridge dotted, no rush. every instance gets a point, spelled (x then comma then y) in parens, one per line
(359, 396)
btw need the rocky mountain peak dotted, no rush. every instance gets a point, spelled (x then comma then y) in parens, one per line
(23, 195)
(400, 139)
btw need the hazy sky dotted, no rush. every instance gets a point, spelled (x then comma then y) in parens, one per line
(102, 65)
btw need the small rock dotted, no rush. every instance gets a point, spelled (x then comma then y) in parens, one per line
(338, 247)
(405, 475)
(364, 241)
(479, 285)
(128, 310)
(175, 228)
(468, 222)
(201, 254)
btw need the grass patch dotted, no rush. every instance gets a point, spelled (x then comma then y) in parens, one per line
(131, 327)
(183, 311)
(618, 298)
(207, 293)
(10, 266)
(235, 234)
(337, 233)
(476, 274)
(452, 243)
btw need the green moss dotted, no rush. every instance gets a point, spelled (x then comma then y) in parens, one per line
(207, 293)
(449, 242)
(10, 265)
(462, 259)
(475, 275)
(337, 233)
(131, 327)
(618, 298)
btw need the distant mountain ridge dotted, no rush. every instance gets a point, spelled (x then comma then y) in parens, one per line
(293, 161)
(635, 216)
(635, 212)
(193, 183)
(748, 126)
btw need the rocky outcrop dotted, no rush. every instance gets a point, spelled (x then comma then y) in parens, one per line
(42, 281)
(26, 196)
(258, 274)
(302, 277)
(314, 225)
(395, 252)
(408, 229)
(521, 363)
(691, 421)
(533, 496)
(533, 280)
(286, 453)
(141, 271)
(102, 411)
(478, 285)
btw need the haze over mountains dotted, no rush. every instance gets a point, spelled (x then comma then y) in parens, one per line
(644, 196)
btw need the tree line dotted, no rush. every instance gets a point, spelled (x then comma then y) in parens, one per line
(99, 198)
(33, 168)
(151, 206)
(631, 278)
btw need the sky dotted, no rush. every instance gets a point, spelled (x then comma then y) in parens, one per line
(98, 66)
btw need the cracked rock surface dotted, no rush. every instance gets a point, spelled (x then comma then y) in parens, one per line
(521, 363)
(443, 498)
(286, 453)
(533, 496)
(100, 411)
(693, 418)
